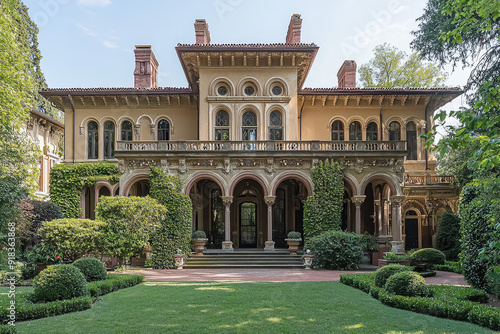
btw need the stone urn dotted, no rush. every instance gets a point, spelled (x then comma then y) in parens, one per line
(293, 242)
(199, 240)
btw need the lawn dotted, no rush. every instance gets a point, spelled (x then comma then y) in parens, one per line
(207, 307)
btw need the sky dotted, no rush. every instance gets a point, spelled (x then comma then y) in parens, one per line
(90, 43)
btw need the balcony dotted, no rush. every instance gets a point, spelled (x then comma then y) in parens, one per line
(422, 180)
(199, 146)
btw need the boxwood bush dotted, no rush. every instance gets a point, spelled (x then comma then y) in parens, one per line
(58, 282)
(112, 283)
(407, 283)
(91, 268)
(448, 236)
(382, 274)
(429, 255)
(335, 250)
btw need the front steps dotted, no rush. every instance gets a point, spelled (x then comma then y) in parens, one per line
(246, 259)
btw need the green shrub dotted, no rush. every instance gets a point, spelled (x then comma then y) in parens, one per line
(73, 238)
(335, 250)
(453, 267)
(368, 242)
(294, 235)
(391, 256)
(8, 329)
(199, 235)
(112, 283)
(59, 282)
(91, 268)
(485, 316)
(407, 283)
(448, 236)
(175, 232)
(323, 210)
(129, 224)
(429, 255)
(465, 293)
(493, 280)
(382, 274)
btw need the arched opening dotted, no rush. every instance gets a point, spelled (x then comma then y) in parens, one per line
(372, 131)
(140, 188)
(367, 211)
(88, 202)
(126, 131)
(355, 131)
(249, 126)
(109, 140)
(163, 130)
(104, 191)
(394, 131)
(275, 125)
(411, 230)
(92, 140)
(248, 213)
(222, 125)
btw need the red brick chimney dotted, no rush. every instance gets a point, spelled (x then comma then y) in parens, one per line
(293, 34)
(347, 74)
(202, 32)
(146, 67)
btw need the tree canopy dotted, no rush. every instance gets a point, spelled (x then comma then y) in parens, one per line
(391, 67)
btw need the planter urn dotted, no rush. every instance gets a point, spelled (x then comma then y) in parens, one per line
(293, 245)
(199, 245)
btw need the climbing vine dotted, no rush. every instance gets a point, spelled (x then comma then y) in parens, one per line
(68, 181)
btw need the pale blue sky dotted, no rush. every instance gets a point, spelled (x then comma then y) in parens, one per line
(89, 43)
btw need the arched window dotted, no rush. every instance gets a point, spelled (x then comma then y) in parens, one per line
(411, 140)
(394, 131)
(109, 140)
(337, 130)
(372, 131)
(163, 130)
(222, 125)
(249, 126)
(275, 125)
(355, 131)
(92, 140)
(126, 133)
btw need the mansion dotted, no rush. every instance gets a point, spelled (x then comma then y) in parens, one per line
(245, 134)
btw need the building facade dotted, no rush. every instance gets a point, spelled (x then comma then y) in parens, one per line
(245, 134)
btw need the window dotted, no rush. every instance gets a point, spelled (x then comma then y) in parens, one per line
(411, 141)
(249, 126)
(372, 131)
(275, 125)
(337, 130)
(222, 125)
(249, 90)
(394, 131)
(92, 140)
(126, 131)
(222, 90)
(355, 131)
(163, 130)
(109, 140)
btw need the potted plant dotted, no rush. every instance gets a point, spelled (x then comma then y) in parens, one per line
(391, 257)
(293, 240)
(369, 245)
(199, 240)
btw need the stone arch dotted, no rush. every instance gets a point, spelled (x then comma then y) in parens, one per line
(352, 183)
(243, 81)
(273, 80)
(104, 119)
(132, 181)
(245, 175)
(86, 120)
(292, 175)
(389, 179)
(193, 178)
(219, 80)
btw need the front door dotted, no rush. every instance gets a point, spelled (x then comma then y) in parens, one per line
(248, 225)
(411, 231)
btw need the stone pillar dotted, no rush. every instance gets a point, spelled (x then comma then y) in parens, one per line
(358, 200)
(376, 217)
(397, 227)
(269, 243)
(227, 244)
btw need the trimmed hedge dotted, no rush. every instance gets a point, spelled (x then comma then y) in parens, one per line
(112, 283)
(8, 329)
(447, 302)
(429, 255)
(407, 283)
(453, 267)
(383, 274)
(91, 268)
(58, 282)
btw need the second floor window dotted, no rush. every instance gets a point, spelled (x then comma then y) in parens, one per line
(109, 140)
(275, 125)
(222, 125)
(411, 140)
(394, 131)
(92, 140)
(355, 131)
(372, 131)
(337, 130)
(249, 126)
(126, 132)
(163, 130)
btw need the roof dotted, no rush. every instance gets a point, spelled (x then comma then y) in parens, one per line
(256, 46)
(47, 118)
(380, 90)
(115, 91)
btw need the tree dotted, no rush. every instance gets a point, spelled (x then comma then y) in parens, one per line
(130, 222)
(323, 210)
(448, 235)
(393, 68)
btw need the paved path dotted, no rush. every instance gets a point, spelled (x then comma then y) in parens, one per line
(271, 275)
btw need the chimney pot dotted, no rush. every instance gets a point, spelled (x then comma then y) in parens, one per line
(202, 32)
(294, 29)
(347, 74)
(146, 67)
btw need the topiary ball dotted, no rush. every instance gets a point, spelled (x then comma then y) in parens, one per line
(91, 268)
(63, 281)
(382, 274)
(407, 283)
(429, 255)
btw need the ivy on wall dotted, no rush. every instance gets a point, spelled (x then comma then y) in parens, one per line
(323, 210)
(68, 181)
(175, 232)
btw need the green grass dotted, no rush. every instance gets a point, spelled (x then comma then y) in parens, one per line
(204, 307)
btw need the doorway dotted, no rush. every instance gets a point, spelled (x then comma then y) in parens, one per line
(248, 225)
(411, 230)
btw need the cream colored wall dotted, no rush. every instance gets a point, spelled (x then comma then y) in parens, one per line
(182, 121)
(263, 103)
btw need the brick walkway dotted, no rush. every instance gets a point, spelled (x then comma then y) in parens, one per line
(271, 275)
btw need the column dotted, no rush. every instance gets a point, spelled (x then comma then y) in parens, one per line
(376, 217)
(397, 228)
(358, 200)
(227, 244)
(270, 202)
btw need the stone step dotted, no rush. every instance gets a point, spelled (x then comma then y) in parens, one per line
(244, 266)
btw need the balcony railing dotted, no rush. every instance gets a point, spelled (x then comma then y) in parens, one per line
(207, 146)
(418, 180)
